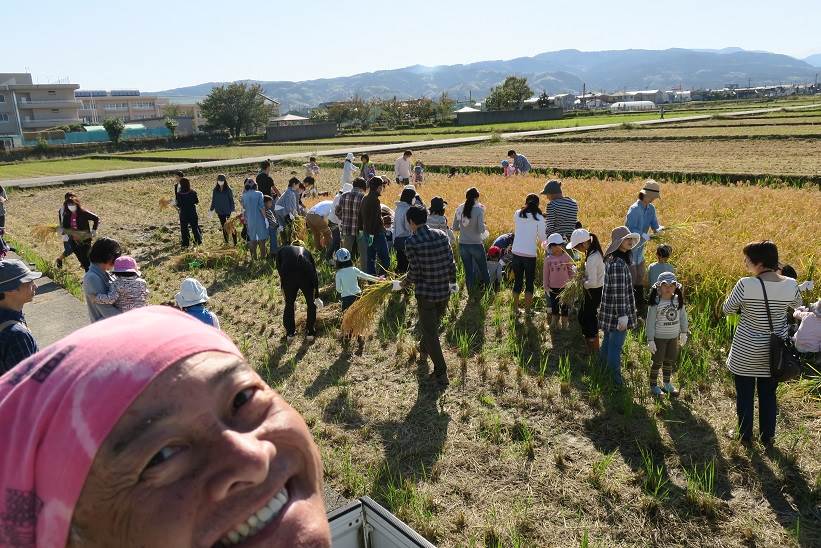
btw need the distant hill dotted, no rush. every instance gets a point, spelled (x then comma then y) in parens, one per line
(814, 60)
(554, 72)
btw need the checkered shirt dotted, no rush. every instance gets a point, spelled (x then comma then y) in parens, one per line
(348, 212)
(431, 266)
(617, 296)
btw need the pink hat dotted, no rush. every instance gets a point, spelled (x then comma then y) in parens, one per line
(58, 406)
(124, 263)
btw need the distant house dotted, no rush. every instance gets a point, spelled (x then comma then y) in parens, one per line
(291, 127)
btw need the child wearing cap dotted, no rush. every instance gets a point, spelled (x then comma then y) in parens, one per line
(347, 278)
(583, 240)
(495, 266)
(667, 329)
(557, 271)
(191, 299)
(507, 169)
(128, 290)
(662, 265)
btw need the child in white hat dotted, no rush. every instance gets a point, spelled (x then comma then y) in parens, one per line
(666, 329)
(191, 298)
(557, 271)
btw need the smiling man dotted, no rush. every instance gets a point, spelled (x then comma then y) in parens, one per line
(166, 438)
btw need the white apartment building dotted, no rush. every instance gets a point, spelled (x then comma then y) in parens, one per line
(29, 107)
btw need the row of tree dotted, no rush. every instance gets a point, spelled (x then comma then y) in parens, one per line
(387, 113)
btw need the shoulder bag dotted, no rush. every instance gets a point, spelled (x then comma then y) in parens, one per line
(785, 363)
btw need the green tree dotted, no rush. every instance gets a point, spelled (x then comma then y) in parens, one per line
(544, 100)
(236, 107)
(114, 127)
(171, 124)
(172, 110)
(509, 95)
(444, 107)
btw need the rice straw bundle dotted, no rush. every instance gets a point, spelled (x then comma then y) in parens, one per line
(165, 203)
(232, 224)
(573, 292)
(299, 230)
(357, 320)
(42, 233)
(207, 259)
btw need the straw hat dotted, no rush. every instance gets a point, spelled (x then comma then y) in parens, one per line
(618, 236)
(651, 186)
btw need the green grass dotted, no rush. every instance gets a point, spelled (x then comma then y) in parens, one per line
(40, 168)
(227, 152)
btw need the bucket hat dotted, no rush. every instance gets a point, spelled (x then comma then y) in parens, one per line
(342, 255)
(191, 292)
(124, 264)
(555, 239)
(617, 236)
(666, 278)
(349, 156)
(651, 186)
(14, 272)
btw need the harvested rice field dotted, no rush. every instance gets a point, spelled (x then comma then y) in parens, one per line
(787, 157)
(528, 446)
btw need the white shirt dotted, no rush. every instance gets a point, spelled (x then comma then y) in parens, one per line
(332, 218)
(402, 168)
(348, 172)
(323, 208)
(529, 233)
(594, 271)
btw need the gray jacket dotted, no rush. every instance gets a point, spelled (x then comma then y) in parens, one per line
(471, 231)
(95, 282)
(400, 221)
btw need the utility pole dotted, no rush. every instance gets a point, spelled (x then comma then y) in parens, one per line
(584, 95)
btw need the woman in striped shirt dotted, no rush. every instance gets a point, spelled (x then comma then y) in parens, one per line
(749, 359)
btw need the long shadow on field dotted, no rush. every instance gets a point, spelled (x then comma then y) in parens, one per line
(696, 443)
(471, 322)
(627, 427)
(274, 372)
(784, 496)
(330, 376)
(394, 317)
(530, 350)
(413, 445)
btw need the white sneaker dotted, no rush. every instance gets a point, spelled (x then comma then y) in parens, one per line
(309, 338)
(670, 389)
(655, 390)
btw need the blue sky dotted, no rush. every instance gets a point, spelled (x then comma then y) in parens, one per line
(153, 45)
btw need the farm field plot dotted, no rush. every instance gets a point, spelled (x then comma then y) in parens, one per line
(754, 121)
(62, 167)
(690, 131)
(227, 152)
(520, 450)
(788, 157)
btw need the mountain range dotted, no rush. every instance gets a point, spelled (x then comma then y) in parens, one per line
(554, 72)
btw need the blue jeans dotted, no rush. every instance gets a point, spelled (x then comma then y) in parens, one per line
(272, 238)
(475, 263)
(610, 353)
(378, 249)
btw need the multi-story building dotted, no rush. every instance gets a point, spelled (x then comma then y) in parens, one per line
(125, 104)
(28, 107)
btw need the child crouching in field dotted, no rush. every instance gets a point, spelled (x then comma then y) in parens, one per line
(808, 337)
(191, 299)
(347, 278)
(128, 290)
(495, 267)
(507, 169)
(557, 271)
(666, 328)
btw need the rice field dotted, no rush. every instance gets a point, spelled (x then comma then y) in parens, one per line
(528, 446)
(690, 131)
(788, 157)
(63, 167)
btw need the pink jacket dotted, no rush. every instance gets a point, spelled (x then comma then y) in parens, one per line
(808, 337)
(557, 271)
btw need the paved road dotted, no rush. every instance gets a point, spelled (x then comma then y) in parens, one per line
(100, 176)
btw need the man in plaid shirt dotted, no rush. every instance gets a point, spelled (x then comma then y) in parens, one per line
(432, 272)
(347, 210)
(16, 289)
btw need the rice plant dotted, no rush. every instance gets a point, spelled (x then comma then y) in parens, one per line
(564, 374)
(701, 486)
(654, 481)
(599, 469)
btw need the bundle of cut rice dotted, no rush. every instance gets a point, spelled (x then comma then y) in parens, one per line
(42, 233)
(573, 292)
(232, 225)
(207, 259)
(300, 231)
(165, 203)
(359, 316)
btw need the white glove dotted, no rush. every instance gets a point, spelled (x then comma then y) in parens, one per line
(319, 304)
(65, 237)
(622, 325)
(453, 287)
(645, 237)
(659, 229)
(682, 339)
(397, 285)
(93, 233)
(485, 235)
(651, 345)
(809, 285)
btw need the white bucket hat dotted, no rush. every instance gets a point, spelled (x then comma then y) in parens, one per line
(666, 278)
(347, 187)
(349, 156)
(191, 293)
(555, 239)
(579, 236)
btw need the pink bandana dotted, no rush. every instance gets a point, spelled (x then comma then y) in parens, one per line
(58, 406)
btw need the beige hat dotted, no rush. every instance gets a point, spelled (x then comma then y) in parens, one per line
(618, 235)
(651, 186)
